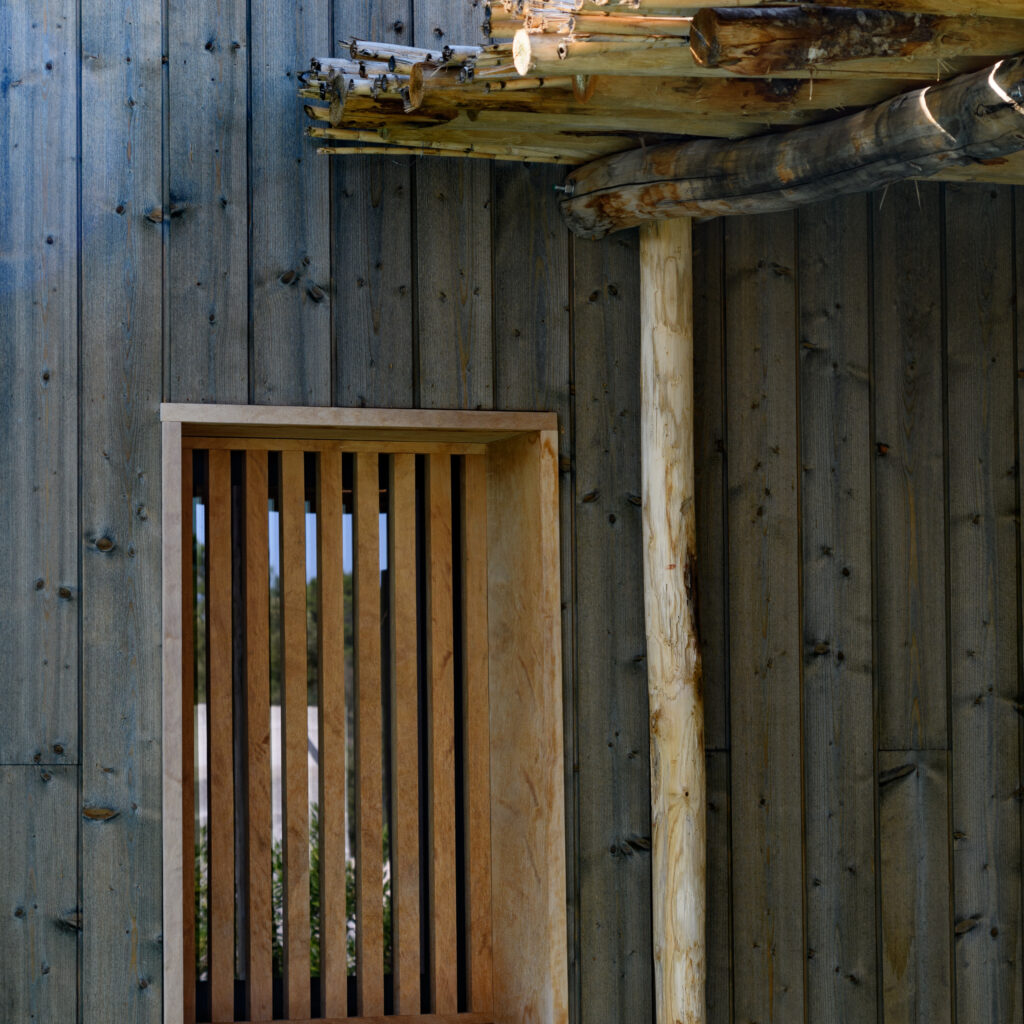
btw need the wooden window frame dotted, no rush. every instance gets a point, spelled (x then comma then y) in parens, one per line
(527, 804)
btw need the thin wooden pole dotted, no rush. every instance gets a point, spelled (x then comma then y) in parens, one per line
(673, 655)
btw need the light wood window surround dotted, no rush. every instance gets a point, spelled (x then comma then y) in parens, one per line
(505, 961)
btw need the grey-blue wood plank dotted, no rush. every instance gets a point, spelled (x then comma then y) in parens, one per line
(765, 685)
(208, 206)
(917, 940)
(984, 612)
(533, 370)
(371, 218)
(712, 599)
(452, 233)
(838, 702)
(120, 391)
(39, 587)
(39, 918)
(291, 213)
(612, 735)
(910, 519)
(710, 478)
(718, 987)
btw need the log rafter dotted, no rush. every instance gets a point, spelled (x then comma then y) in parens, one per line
(973, 118)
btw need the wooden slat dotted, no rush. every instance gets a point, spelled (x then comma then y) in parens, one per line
(120, 265)
(257, 688)
(277, 421)
(530, 248)
(914, 877)
(39, 247)
(838, 706)
(290, 251)
(331, 637)
(40, 924)
(185, 729)
(441, 735)
(371, 206)
(207, 233)
(613, 764)
(279, 444)
(219, 742)
(405, 852)
(425, 1018)
(369, 737)
(764, 614)
(476, 733)
(910, 520)
(530, 969)
(983, 613)
(294, 770)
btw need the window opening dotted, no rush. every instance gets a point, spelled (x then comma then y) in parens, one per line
(336, 800)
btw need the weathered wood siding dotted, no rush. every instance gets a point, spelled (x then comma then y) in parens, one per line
(860, 579)
(166, 233)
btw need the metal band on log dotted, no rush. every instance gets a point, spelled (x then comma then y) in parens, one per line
(673, 654)
(975, 117)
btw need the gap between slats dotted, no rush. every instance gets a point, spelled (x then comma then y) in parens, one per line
(431, 676)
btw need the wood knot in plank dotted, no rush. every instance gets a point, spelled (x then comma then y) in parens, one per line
(99, 813)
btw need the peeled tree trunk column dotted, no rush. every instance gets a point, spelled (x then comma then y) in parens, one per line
(673, 655)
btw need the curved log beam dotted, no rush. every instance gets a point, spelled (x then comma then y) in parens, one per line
(975, 117)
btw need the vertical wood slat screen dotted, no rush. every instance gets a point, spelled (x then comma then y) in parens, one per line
(410, 807)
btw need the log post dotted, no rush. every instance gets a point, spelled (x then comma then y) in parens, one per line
(673, 655)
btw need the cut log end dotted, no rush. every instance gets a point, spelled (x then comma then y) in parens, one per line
(521, 55)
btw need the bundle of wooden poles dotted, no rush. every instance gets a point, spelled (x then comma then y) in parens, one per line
(566, 81)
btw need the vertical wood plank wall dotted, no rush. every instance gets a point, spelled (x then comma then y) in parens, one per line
(859, 439)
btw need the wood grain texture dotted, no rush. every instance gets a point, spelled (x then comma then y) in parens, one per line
(368, 741)
(208, 207)
(914, 840)
(452, 238)
(424, 1018)
(910, 558)
(719, 890)
(838, 711)
(527, 795)
(178, 708)
(332, 739)
(711, 479)
(764, 612)
(39, 202)
(424, 424)
(983, 608)
(532, 249)
(453, 289)
(675, 701)
(371, 239)
(38, 880)
(612, 738)
(288, 190)
(902, 137)
(294, 770)
(259, 975)
(220, 741)
(437, 502)
(476, 732)
(405, 756)
(119, 529)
